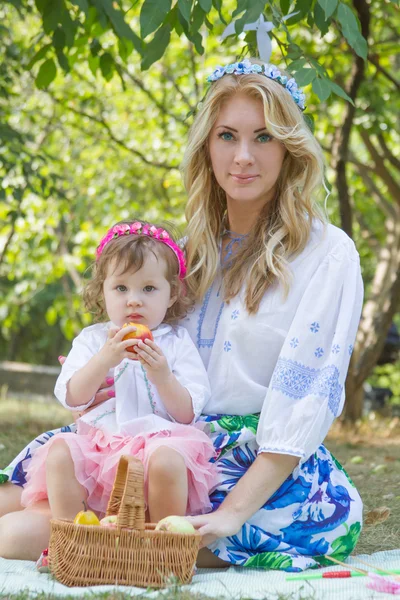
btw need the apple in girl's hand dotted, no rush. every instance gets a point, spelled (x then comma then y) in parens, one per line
(142, 333)
(174, 524)
(110, 521)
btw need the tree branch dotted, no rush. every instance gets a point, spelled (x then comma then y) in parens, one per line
(381, 170)
(374, 59)
(387, 153)
(341, 143)
(115, 139)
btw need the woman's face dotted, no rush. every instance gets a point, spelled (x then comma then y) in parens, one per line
(245, 159)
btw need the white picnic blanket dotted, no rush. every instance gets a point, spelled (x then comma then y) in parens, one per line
(233, 583)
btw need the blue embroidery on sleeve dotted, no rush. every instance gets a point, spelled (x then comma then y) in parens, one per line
(298, 381)
(314, 327)
(235, 314)
(227, 346)
(319, 352)
(294, 342)
(335, 348)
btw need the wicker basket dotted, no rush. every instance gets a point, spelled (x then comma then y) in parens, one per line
(133, 553)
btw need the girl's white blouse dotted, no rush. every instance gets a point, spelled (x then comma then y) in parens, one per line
(137, 406)
(289, 361)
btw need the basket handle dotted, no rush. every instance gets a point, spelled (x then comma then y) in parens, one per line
(127, 497)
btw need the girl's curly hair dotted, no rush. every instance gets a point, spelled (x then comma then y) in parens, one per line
(130, 252)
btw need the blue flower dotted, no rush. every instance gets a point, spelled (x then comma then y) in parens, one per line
(235, 314)
(319, 352)
(294, 342)
(227, 346)
(272, 72)
(335, 348)
(217, 73)
(314, 327)
(291, 86)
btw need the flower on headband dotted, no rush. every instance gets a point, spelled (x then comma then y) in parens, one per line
(272, 72)
(216, 74)
(291, 85)
(136, 226)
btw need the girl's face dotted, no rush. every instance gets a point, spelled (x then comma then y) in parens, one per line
(140, 297)
(245, 159)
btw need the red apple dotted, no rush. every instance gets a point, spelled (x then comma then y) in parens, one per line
(142, 333)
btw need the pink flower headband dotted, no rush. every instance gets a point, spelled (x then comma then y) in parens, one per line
(151, 231)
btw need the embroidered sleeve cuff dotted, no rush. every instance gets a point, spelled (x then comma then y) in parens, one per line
(282, 450)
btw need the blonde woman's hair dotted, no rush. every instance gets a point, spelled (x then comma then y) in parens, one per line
(284, 226)
(129, 252)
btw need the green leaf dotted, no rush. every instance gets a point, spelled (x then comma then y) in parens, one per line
(59, 38)
(351, 31)
(328, 6)
(320, 21)
(95, 47)
(322, 88)
(305, 76)
(38, 56)
(269, 560)
(255, 9)
(197, 41)
(52, 15)
(198, 16)
(156, 48)
(218, 6)
(241, 6)
(125, 48)
(309, 119)
(63, 61)
(47, 73)
(302, 7)
(185, 7)
(336, 89)
(83, 5)
(285, 5)
(296, 65)
(206, 5)
(107, 65)
(152, 15)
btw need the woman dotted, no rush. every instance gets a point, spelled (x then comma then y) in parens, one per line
(279, 296)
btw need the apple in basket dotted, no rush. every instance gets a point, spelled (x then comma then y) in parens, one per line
(110, 521)
(86, 517)
(174, 524)
(142, 333)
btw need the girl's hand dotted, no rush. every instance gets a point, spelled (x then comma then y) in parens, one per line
(153, 361)
(115, 348)
(215, 525)
(106, 391)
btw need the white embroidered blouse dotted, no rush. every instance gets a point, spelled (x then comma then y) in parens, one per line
(137, 406)
(289, 361)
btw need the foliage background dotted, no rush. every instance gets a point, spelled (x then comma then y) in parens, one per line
(87, 138)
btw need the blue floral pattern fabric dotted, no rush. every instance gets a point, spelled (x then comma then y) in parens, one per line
(317, 511)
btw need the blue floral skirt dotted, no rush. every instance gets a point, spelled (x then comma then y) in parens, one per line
(316, 512)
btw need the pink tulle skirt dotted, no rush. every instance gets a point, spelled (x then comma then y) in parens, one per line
(95, 455)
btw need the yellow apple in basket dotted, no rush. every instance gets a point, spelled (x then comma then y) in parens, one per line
(174, 524)
(86, 517)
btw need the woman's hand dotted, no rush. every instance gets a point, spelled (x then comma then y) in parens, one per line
(106, 390)
(215, 525)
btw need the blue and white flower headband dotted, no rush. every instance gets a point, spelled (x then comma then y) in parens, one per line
(246, 67)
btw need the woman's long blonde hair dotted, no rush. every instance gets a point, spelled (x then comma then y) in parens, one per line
(284, 226)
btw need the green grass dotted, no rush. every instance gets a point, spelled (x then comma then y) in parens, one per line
(376, 473)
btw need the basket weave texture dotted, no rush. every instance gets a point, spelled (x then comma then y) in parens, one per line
(133, 553)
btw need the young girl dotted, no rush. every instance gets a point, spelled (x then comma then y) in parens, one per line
(160, 388)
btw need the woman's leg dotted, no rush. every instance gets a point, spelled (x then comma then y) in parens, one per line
(168, 484)
(10, 498)
(25, 534)
(65, 493)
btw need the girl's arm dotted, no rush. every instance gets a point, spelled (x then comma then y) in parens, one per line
(174, 395)
(263, 478)
(85, 382)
